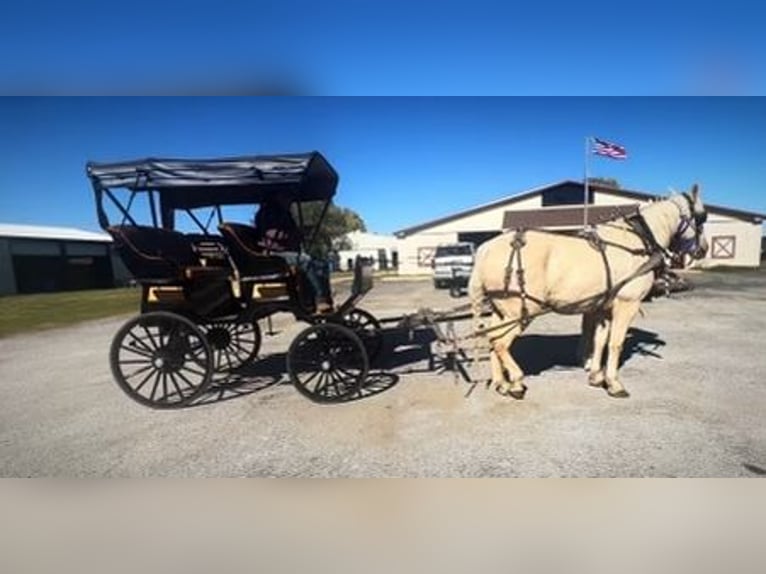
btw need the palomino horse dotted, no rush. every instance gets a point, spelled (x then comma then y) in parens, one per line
(603, 275)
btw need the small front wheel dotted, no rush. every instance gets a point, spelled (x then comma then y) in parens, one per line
(327, 363)
(368, 328)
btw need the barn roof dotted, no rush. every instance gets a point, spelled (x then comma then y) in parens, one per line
(47, 232)
(750, 216)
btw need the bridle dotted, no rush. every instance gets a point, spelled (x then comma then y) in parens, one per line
(680, 244)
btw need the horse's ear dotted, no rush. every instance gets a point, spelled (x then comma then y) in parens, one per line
(695, 192)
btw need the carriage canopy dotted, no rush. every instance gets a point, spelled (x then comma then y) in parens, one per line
(184, 184)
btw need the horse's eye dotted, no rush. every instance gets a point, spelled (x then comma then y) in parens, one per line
(700, 218)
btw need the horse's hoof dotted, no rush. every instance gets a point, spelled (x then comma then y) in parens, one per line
(502, 389)
(597, 383)
(621, 394)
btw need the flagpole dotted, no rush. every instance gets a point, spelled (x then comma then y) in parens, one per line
(585, 199)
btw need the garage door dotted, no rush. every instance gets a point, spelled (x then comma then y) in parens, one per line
(47, 273)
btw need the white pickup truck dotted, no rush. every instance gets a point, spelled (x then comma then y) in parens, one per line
(453, 264)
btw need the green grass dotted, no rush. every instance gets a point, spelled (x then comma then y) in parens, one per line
(24, 313)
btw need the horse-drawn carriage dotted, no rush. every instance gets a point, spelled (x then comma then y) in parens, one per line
(203, 293)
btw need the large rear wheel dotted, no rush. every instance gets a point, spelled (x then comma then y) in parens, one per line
(161, 360)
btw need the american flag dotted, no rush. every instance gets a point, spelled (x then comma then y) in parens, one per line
(601, 147)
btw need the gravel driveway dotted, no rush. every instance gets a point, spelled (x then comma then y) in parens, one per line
(694, 366)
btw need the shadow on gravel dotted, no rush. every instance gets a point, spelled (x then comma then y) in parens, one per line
(538, 353)
(414, 354)
(755, 469)
(401, 350)
(270, 373)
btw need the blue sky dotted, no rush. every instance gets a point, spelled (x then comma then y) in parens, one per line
(384, 47)
(401, 160)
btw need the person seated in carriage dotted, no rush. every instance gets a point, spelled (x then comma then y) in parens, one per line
(275, 227)
(278, 233)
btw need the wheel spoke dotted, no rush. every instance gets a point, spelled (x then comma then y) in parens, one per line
(151, 337)
(135, 361)
(178, 389)
(156, 383)
(187, 381)
(321, 386)
(143, 381)
(311, 377)
(195, 347)
(190, 370)
(165, 387)
(138, 371)
(348, 373)
(137, 351)
(142, 343)
(238, 345)
(228, 358)
(335, 381)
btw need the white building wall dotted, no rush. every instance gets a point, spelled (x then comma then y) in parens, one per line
(489, 220)
(417, 249)
(368, 245)
(727, 234)
(606, 198)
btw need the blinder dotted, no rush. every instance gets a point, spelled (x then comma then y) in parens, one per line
(699, 218)
(690, 245)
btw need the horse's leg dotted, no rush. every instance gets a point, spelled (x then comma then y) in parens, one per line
(623, 313)
(585, 346)
(601, 326)
(494, 359)
(501, 347)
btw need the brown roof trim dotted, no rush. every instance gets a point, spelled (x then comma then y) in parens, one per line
(752, 216)
(564, 216)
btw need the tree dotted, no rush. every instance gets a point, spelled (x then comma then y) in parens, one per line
(331, 234)
(604, 182)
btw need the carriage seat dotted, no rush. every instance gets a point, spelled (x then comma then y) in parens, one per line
(210, 249)
(253, 262)
(159, 255)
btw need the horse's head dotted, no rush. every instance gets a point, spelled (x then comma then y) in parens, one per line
(689, 238)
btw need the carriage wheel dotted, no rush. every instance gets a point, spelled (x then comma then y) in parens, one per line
(233, 343)
(161, 360)
(327, 363)
(368, 328)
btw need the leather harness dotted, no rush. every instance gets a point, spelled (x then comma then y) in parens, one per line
(657, 262)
